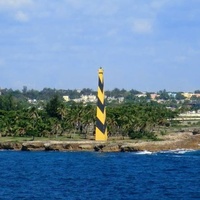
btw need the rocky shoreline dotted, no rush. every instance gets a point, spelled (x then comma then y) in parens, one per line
(169, 142)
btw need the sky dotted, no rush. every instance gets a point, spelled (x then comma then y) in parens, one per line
(146, 45)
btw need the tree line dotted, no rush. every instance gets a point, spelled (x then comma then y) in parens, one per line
(129, 95)
(56, 118)
(48, 93)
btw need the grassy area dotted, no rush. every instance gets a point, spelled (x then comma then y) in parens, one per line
(77, 137)
(14, 139)
(73, 136)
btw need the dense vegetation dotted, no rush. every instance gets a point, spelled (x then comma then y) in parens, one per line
(54, 117)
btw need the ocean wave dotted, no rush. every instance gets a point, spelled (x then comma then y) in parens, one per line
(178, 151)
(144, 152)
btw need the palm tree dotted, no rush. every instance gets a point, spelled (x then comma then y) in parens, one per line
(61, 111)
(56, 128)
(88, 119)
(75, 116)
(33, 115)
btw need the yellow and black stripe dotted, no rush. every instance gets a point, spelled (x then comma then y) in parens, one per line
(101, 129)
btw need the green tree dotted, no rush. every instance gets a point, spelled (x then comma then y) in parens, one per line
(179, 96)
(53, 106)
(163, 94)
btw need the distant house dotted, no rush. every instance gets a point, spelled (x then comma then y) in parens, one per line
(110, 99)
(89, 98)
(141, 95)
(188, 95)
(32, 101)
(172, 94)
(66, 98)
(154, 95)
(119, 99)
(196, 95)
(83, 98)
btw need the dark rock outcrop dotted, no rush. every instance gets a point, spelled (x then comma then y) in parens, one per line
(10, 145)
(196, 131)
(99, 147)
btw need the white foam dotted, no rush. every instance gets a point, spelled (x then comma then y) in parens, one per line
(144, 152)
(178, 151)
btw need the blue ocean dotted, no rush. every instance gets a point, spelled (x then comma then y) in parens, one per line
(92, 175)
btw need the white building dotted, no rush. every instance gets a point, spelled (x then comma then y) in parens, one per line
(83, 98)
(66, 98)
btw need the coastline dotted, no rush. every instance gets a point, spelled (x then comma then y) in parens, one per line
(168, 142)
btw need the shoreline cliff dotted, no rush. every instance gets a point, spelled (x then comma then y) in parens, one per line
(169, 142)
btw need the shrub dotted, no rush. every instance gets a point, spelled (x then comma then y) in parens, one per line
(143, 135)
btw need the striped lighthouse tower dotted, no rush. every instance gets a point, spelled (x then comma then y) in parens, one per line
(101, 129)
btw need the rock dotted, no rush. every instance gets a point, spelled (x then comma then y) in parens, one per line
(53, 147)
(86, 147)
(99, 147)
(196, 131)
(33, 146)
(111, 148)
(7, 146)
(75, 146)
(17, 146)
(10, 146)
(67, 147)
(130, 148)
(62, 146)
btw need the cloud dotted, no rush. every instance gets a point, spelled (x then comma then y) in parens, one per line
(158, 4)
(15, 3)
(142, 26)
(21, 16)
(16, 9)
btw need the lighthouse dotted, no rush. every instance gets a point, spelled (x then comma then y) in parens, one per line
(101, 128)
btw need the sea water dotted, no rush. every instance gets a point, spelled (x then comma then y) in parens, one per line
(92, 175)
